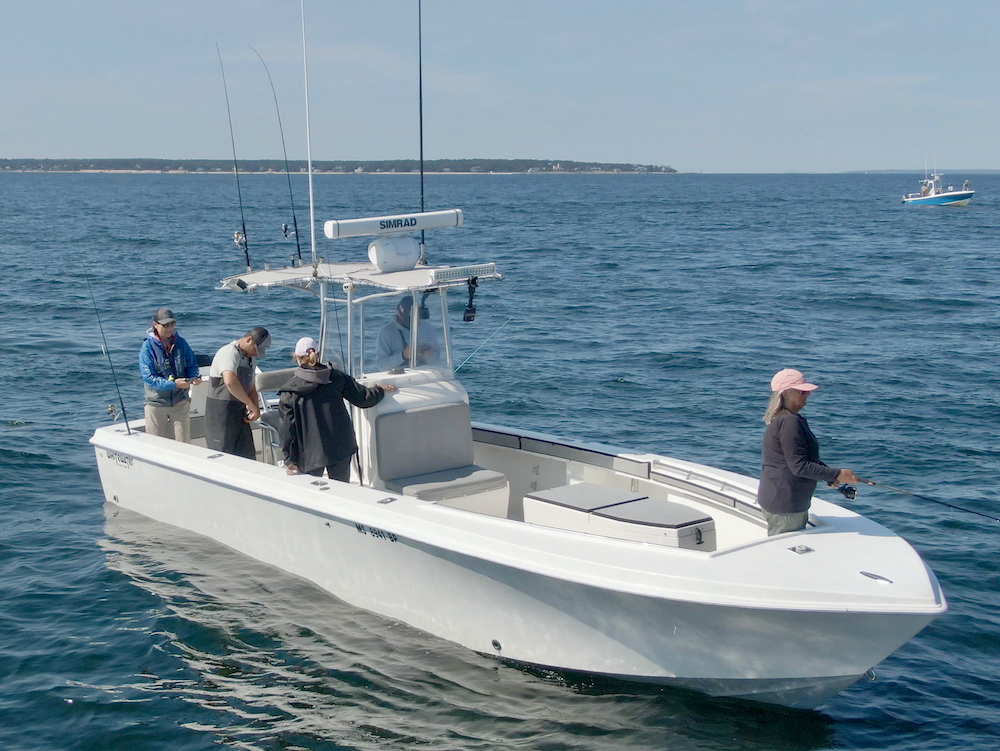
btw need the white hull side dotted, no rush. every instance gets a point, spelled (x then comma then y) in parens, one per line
(793, 658)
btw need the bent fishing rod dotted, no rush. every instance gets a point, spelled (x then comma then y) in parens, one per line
(850, 492)
(114, 376)
(295, 221)
(239, 237)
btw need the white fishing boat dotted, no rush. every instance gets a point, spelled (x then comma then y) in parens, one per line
(539, 550)
(543, 551)
(934, 193)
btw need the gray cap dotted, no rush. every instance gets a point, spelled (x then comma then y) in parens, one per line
(261, 338)
(164, 315)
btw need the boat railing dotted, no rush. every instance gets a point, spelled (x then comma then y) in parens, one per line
(702, 486)
(686, 481)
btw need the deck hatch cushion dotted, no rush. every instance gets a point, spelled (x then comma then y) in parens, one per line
(585, 496)
(619, 513)
(654, 513)
(450, 483)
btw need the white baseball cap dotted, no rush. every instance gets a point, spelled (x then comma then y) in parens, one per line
(303, 345)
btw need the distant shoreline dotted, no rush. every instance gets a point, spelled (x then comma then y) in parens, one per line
(322, 167)
(315, 172)
(955, 173)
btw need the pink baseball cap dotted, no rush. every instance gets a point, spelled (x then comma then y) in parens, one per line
(303, 345)
(791, 379)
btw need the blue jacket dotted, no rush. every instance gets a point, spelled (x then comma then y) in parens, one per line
(156, 369)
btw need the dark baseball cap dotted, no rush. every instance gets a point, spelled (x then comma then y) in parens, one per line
(261, 338)
(164, 315)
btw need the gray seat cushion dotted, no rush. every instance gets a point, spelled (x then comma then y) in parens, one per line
(449, 483)
(271, 419)
(423, 440)
(272, 380)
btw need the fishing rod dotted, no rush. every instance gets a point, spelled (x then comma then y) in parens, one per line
(295, 222)
(850, 492)
(312, 204)
(312, 201)
(114, 376)
(239, 237)
(483, 344)
(420, 86)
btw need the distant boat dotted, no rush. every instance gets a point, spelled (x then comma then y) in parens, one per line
(933, 194)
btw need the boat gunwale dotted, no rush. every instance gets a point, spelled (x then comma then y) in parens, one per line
(573, 562)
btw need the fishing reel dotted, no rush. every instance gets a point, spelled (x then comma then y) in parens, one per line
(848, 491)
(114, 413)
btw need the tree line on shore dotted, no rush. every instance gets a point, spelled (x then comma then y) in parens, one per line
(278, 165)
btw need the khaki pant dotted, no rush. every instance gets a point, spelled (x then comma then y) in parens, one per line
(170, 422)
(778, 524)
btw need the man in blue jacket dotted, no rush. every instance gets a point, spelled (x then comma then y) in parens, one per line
(169, 369)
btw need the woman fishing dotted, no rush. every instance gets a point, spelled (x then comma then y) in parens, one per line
(791, 465)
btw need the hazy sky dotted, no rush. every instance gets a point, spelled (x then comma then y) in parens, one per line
(707, 86)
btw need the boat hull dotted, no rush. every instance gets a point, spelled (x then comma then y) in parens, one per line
(343, 539)
(957, 198)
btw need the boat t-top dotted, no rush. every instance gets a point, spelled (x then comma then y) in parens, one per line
(571, 555)
(933, 193)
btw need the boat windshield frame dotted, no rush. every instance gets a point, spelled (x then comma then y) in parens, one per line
(363, 283)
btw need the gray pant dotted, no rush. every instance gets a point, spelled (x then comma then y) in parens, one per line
(170, 422)
(780, 523)
(339, 471)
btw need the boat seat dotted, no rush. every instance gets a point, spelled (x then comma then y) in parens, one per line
(270, 419)
(427, 453)
(272, 380)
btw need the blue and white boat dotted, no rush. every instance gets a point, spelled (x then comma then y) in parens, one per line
(932, 193)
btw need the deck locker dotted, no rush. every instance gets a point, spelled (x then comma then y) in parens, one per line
(621, 514)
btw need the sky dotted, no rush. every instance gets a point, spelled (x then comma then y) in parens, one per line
(713, 86)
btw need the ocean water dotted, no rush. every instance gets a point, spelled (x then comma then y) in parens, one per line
(647, 311)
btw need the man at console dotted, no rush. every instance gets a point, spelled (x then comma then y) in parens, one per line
(392, 349)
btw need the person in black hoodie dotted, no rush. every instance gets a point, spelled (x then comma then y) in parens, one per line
(316, 430)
